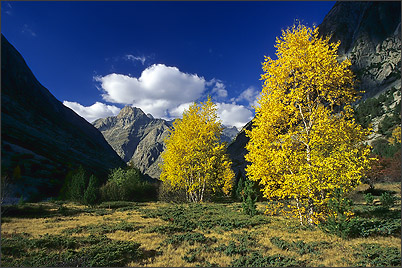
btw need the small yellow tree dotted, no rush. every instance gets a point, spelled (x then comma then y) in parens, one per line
(300, 148)
(194, 158)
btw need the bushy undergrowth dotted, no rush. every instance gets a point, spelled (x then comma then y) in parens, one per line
(374, 255)
(256, 259)
(300, 246)
(103, 228)
(185, 218)
(127, 185)
(243, 244)
(191, 238)
(58, 250)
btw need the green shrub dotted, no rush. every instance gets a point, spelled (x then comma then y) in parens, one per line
(387, 200)
(249, 197)
(237, 190)
(187, 217)
(192, 255)
(56, 250)
(300, 246)
(374, 255)
(77, 183)
(127, 185)
(91, 195)
(256, 259)
(338, 222)
(369, 198)
(191, 238)
(383, 148)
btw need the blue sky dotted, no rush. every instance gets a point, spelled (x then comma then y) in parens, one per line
(97, 57)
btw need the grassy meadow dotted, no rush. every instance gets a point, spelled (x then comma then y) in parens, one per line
(161, 234)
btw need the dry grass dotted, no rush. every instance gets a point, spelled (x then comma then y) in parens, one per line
(340, 253)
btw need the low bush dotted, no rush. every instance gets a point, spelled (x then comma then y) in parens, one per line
(256, 259)
(300, 246)
(387, 200)
(187, 217)
(191, 238)
(103, 228)
(244, 244)
(57, 250)
(369, 198)
(375, 255)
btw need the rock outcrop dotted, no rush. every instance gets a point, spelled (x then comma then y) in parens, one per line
(41, 138)
(136, 137)
(370, 35)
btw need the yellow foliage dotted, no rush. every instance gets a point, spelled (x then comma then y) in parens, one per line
(194, 158)
(396, 136)
(305, 142)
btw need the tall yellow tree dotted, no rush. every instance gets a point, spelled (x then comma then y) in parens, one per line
(305, 142)
(194, 158)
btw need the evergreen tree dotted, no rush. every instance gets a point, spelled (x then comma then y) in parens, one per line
(91, 194)
(249, 196)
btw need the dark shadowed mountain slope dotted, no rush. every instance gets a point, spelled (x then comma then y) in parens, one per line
(237, 150)
(41, 138)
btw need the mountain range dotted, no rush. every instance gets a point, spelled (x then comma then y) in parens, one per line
(138, 138)
(42, 140)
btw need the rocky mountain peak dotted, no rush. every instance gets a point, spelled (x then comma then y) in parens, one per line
(130, 112)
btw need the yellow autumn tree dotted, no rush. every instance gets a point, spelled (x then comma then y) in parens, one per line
(305, 142)
(194, 158)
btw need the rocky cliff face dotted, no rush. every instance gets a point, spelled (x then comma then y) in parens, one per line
(370, 35)
(136, 137)
(41, 138)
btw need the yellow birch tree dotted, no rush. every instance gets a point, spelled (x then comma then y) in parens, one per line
(305, 142)
(194, 158)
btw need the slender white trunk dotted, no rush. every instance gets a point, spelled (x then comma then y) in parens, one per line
(298, 210)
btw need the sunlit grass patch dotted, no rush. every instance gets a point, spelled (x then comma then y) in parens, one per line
(209, 234)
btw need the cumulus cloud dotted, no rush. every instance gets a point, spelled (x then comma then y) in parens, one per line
(142, 59)
(232, 114)
(220, 90)
(250, 95)
(93, 112)
(160, 90)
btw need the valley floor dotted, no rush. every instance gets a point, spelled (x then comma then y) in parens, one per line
(161, 234)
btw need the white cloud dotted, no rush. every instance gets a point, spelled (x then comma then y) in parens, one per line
(93, 112)
(250, 95)
(178, 111)
(142, 59)
(160, 90)
(232, 114)
(220, 90)
(27, 30)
